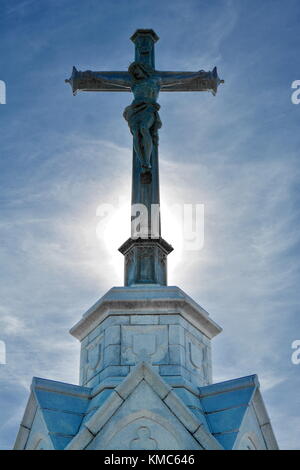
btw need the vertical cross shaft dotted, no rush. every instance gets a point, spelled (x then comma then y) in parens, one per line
(145, 188)
(146, 257)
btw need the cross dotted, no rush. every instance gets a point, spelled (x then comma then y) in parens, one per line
(145, 253)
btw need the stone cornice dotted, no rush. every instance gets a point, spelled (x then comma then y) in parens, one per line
(160, 300)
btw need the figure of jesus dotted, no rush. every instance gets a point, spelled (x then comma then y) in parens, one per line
(142, 115)
(145, 83)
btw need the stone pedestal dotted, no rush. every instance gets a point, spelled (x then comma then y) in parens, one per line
(158, 325)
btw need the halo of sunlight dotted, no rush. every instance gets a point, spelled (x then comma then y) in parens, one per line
(113, 229)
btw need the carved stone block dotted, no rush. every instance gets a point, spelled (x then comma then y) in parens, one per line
(92, 358)
(144, 342)
(197, 359)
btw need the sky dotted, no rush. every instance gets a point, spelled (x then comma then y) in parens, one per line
(63, 157)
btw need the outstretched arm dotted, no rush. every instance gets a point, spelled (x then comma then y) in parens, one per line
(190, 81)
(99, 81)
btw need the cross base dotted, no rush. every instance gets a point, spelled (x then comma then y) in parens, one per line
(145, 261)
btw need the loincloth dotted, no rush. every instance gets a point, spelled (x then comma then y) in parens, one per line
(136, 113)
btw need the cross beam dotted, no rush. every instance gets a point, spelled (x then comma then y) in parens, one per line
(121, 81)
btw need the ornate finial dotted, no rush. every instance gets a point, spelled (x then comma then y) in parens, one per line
(145, 32)
(144, 40)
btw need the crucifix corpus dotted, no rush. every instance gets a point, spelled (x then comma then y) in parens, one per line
(145, 255)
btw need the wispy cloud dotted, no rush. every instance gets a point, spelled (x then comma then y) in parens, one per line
(236, 153)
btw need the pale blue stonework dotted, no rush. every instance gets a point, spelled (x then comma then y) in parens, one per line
(227, 415)
(146, 383)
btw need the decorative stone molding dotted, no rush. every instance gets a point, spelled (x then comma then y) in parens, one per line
(162, 300)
